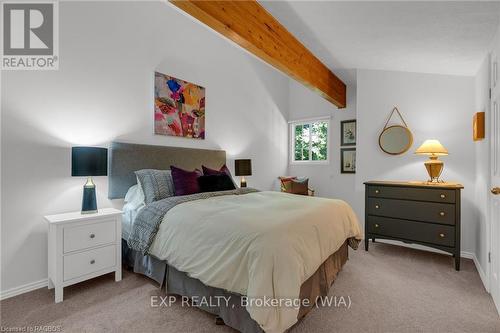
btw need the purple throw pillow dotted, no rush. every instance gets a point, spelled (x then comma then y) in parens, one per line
(224, 170)
(185, 182)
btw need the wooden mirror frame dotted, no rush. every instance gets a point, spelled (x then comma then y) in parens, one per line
(406, 148)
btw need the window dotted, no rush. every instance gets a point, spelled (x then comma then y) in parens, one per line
(309, 141)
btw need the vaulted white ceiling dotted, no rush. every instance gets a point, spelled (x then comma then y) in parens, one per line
(449, 37)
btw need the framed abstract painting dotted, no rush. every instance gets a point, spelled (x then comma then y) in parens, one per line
(179, 107)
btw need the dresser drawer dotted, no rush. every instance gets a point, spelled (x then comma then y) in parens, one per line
(83, 263)
(89, 235)
(406, 193)
(416, 231)
(412, 210)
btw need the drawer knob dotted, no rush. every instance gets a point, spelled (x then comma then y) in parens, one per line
(441, 213)
(377, 191)
(92, 261)
(442, 196)
(376, 225)
(441, 235)
(92, 235)
(377, 206)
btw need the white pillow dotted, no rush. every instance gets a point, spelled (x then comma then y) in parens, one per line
(131, 193)
(135, 196)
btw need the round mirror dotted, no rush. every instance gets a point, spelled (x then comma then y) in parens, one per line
(395, 140)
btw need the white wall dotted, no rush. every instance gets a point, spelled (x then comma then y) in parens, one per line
(103, 91)
(434, 106)
(327, 180)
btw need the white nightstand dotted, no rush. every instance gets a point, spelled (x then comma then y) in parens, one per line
(83, 246)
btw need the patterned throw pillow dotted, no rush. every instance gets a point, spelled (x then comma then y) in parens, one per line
(156, 184)
(286, 184)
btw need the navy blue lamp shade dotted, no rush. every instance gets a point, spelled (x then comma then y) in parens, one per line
(88, 162)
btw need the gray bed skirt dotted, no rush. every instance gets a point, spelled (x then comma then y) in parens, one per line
(178, 283)
(233, 313)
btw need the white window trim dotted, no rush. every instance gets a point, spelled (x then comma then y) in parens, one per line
(291, 154)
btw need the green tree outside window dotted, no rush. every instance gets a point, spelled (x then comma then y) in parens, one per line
(310, 141)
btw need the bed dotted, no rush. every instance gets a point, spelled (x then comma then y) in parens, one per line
(264, 256)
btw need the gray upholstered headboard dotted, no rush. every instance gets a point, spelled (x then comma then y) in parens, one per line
(125, 158)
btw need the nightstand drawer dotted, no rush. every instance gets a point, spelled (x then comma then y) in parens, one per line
(409, 230)
(412, 210)
(83, 263)
(420, 194)
(89, 235)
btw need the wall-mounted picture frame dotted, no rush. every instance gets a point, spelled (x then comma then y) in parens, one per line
(347, 160)
(348, 132)
(179, 108)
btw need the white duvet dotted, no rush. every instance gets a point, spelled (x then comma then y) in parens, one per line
(263, 244)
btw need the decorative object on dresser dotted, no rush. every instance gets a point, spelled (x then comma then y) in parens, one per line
(88, 162)
(289, 184)
(243, 168)
(414, 212)
(347, 160)
(478, 126)
(433, 148)
(82, 247)
(348, 132)
(395, 139)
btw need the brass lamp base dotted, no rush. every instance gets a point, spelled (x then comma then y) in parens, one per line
(243, 182)
(434, 168)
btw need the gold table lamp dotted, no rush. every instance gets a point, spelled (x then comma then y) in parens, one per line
(433, 148)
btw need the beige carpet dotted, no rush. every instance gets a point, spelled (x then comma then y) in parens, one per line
(392, 289)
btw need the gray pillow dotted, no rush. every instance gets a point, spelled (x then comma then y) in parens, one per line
(156, 184)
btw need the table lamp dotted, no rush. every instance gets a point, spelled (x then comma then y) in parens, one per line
(433, 148)
(243, 168)
(88, 162)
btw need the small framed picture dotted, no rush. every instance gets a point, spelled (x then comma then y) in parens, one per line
(348, 132)
(347, 160)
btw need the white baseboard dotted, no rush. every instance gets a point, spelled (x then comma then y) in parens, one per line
(23, 289)
(463, 254)
(480, 270)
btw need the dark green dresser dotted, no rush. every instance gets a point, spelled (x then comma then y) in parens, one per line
(414, 212)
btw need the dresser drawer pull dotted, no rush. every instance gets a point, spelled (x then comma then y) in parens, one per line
(376, 225)
(377, 191)
(377, 206)
(441, 235)
(441, 213)
(442, 196)
(92, 261)
(92, 235)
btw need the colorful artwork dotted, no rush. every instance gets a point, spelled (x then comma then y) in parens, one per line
(179, 107)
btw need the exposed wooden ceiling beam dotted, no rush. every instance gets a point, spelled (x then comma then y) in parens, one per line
(248, 24)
